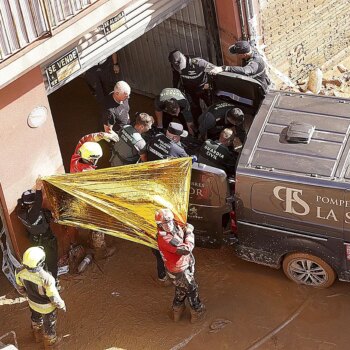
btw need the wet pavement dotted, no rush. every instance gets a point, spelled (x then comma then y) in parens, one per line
(119, 305)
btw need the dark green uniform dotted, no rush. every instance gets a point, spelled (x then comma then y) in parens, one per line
(219, 156)
(129, 147)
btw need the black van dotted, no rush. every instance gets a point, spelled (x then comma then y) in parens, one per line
(291, 203)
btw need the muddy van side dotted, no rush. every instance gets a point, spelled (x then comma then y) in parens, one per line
(292, 188)
(291, 201)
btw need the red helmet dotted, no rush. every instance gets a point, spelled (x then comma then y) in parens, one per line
(164, 215)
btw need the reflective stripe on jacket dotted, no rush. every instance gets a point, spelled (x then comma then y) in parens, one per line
(176, 248)
(40, 287)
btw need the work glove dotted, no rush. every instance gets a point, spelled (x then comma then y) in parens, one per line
(22, 291)
(216, 70)
(62, 306)
(189, 229)
(111, 136)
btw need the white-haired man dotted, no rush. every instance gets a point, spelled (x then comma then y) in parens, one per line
(116, 107)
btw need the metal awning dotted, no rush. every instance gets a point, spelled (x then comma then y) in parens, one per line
(118, 30)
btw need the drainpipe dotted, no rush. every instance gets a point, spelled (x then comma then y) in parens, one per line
(249, 12)
(8, 225)
(241, 19)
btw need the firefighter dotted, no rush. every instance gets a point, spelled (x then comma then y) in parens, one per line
(43, 297)
(131, 146)
(88, 151)
(175, 245)
(167, 146)
(172, 104)
(37, 219)
(219, 154)
(190, 75)
(85, 158)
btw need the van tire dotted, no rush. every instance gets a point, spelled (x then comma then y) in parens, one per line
(297, 265)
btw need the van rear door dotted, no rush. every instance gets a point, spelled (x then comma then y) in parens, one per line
(210, 205)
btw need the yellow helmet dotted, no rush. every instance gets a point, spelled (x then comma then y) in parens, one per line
(34, 257)
(90, 151)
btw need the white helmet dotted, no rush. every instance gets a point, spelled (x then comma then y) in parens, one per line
(33, 258)
(91, 152)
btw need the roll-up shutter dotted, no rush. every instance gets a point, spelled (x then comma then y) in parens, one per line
(144, 62)
(125, 26)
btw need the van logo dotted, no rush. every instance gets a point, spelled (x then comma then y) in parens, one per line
(193, 211)
(291, 196)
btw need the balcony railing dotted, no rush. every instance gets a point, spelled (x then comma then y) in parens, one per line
(24, 21)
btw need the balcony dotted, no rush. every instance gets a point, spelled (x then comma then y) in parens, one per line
(25, 21)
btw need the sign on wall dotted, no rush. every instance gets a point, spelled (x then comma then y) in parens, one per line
(63, 68)
(114, 23)
(106, 38)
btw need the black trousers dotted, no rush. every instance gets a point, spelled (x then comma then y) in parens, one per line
(160, 264)
(101, 79)
(49, 243)
(45, 321)
(194, 98)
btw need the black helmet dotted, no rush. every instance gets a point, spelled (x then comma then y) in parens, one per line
(28, 197)
(240, 47)
(235, 116)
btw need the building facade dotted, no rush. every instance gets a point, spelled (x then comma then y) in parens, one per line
(47, 44)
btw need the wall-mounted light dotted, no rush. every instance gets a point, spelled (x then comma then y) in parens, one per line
(37, 117)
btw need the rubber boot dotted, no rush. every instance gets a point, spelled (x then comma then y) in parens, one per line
(198, 315)
(98, 244)
(109, 251)
(51, 341)
(103, 253)
(98, 240)
(37, 332)
(178, 311)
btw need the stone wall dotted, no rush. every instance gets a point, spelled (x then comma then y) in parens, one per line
(302, 34)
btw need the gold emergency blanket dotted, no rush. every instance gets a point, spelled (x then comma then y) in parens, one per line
(121, 201)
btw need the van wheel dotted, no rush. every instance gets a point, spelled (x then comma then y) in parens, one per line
(309, 270)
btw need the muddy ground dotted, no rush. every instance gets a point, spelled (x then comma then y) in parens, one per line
(119, 305)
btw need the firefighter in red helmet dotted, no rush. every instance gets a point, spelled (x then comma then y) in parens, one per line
(175, 245)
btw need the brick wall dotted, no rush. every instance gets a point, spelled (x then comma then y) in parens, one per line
(301, 34)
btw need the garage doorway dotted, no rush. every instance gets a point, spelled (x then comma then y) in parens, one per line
(144, 65)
